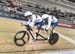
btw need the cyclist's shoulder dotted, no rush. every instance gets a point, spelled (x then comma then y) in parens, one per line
(36, 16)
(33, 15)
(52, 16)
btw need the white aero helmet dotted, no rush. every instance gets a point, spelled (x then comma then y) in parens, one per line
(28, 13)
(44, 16)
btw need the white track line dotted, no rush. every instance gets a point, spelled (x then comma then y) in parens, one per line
(66, 38)
(60, 52)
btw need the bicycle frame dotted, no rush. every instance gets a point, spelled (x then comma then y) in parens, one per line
(53, 37)
(37, 34)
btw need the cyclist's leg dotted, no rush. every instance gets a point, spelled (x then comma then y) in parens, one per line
(53, 36)
(54, 25)
(38, 24)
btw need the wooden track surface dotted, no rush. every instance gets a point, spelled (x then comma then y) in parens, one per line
(9, 27)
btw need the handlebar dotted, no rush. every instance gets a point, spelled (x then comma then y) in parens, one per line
(28, 27)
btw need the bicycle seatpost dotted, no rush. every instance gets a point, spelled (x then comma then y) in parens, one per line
(38, 30)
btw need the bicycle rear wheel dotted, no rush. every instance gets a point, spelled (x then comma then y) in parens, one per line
(53, 38)
(21, 38)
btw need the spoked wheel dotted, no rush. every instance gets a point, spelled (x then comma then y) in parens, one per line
(53, 38)
(21, 38)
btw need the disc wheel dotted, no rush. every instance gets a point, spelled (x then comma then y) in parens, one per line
(53, 39)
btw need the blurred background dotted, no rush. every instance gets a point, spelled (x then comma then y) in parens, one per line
(64, 10)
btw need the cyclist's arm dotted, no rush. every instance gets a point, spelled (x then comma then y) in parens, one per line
(28, 22)
(25, 22)
(31, 24)
(49, 22)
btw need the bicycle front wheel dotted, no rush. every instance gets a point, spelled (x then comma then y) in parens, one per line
(21, 38)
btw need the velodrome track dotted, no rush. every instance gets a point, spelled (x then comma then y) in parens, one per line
(9, 27)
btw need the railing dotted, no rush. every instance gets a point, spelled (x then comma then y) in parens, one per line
(20, 14)
(17, 14)
(68, 3)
